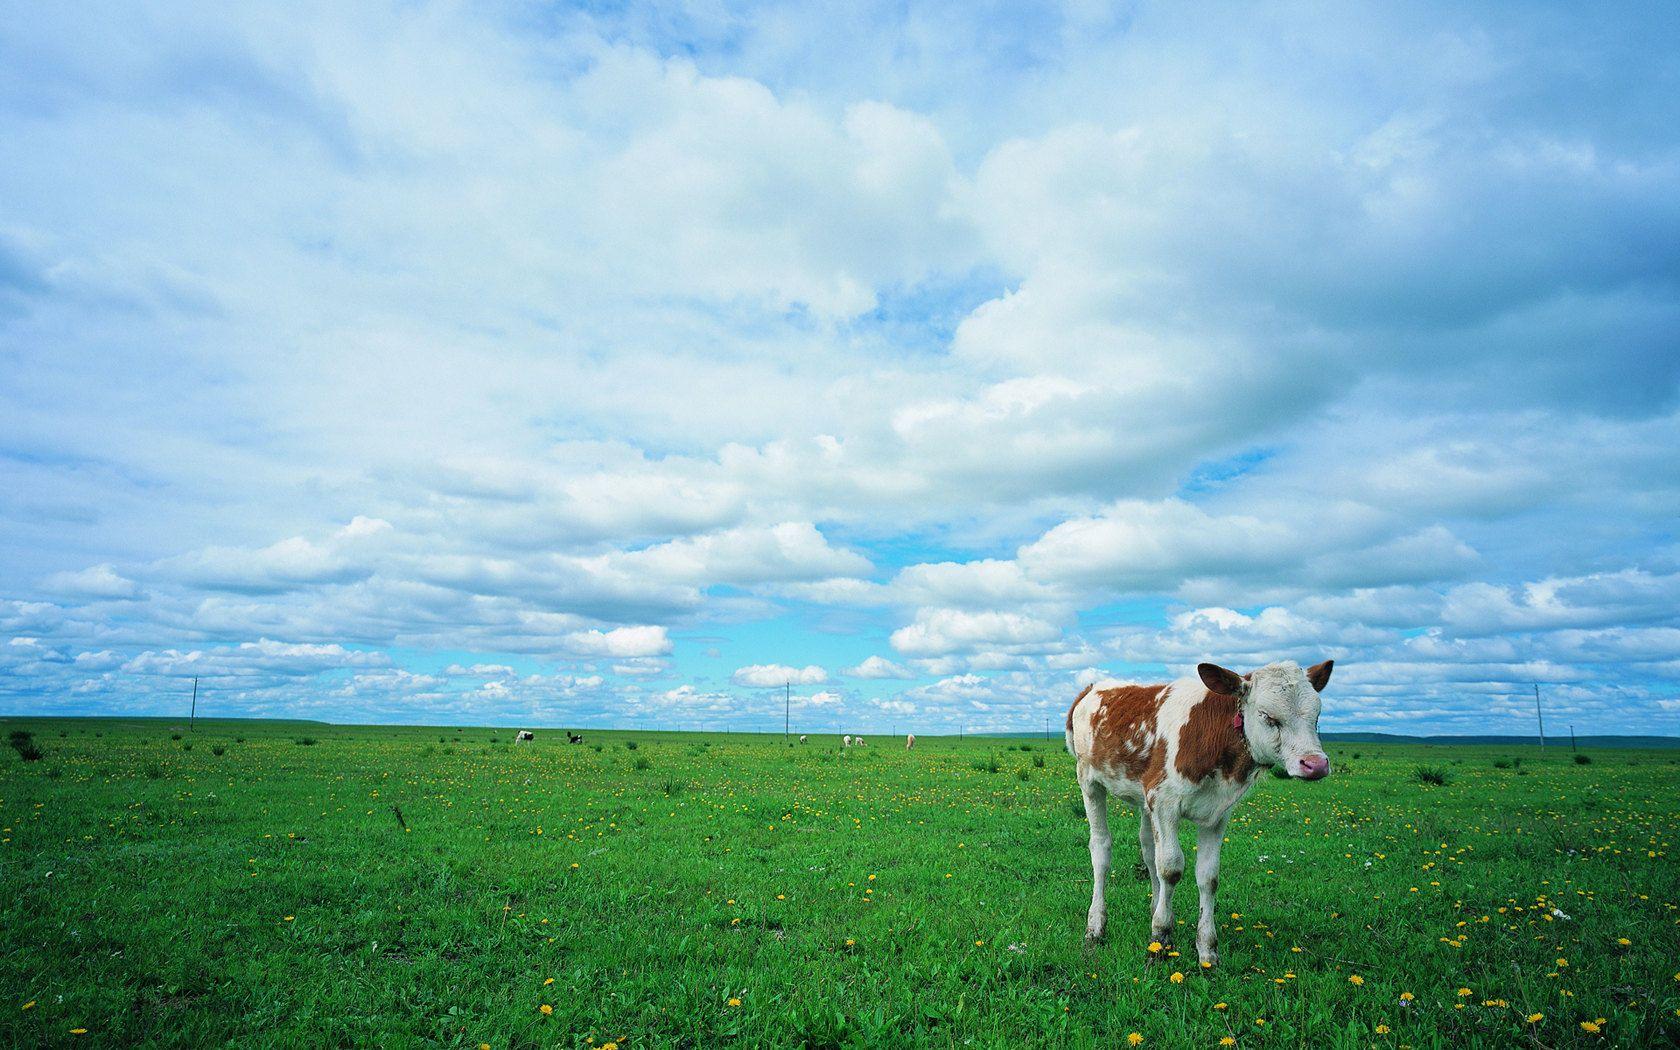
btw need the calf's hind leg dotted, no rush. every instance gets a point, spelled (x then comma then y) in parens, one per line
(1096, 814)
(1146, 850)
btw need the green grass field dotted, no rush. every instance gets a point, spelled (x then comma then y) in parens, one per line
(242, 885)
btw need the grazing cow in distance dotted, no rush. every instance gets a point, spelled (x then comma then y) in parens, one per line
(524, 735)
(801, 738)
(573, 738)
(845, 741)
(910, 741)
(857, 741)
(1189, 751)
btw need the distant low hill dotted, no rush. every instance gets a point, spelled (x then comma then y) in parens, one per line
(1505, 741)
(1555, 741)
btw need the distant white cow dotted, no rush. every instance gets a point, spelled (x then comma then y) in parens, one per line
(910, 741)
(801, 738)
(845, 741)
(857, 741)
(523, 736)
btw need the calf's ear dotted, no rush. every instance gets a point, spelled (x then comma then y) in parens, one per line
(1219, 680)
(1319, 675)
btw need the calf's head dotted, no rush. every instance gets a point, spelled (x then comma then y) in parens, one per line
(1278, 709)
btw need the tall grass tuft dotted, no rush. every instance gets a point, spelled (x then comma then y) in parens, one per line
(23, 742)
(1430, 775)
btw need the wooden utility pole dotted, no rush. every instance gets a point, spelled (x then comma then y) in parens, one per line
(192, 717)
(1539, 717)
(787, 711)
(1572, 736)
(1047, 727)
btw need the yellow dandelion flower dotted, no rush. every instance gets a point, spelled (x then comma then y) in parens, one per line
(1355, 979)
(1134, 1039)
(548, 982)
(1407, 997)
(1382, 1029)
(734, 1002)
(1590, 1026)
(1176, 978)
(1226, 1040)
(1154, 946)
(1536, 1018)
(979, 944)
(1462, 992)
(1623, 941)
(483, 1046)
(1219, 1006)
(78, 1031)
(30, 1005)
(546, 1009)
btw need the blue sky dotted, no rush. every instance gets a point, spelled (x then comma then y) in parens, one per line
(610, 365)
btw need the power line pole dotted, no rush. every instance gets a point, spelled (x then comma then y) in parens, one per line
(1539, 717)
(192, 717)
(1047, 727)
(787, 711)
(1572, 736)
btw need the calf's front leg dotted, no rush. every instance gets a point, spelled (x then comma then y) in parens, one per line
(1209, 838)
(1169, 867)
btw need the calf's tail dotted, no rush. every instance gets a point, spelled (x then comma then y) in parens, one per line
(1069, 732)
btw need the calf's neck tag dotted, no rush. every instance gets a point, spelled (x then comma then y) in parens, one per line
(1237, 720)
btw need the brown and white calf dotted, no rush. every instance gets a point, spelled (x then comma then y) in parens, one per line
(1189, 751)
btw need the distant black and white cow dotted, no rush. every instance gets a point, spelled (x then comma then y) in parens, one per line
(573, 738)
(801, 738)
(1189, 751)
(523, 736)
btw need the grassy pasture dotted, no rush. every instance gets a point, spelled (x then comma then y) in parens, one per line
(694, 890)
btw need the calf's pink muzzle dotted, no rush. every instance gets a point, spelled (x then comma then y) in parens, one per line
(1315, 767)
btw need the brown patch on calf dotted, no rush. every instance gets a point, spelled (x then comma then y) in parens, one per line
(1123, 733)
(1209, 743)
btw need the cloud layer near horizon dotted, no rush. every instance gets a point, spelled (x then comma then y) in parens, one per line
(434, 364)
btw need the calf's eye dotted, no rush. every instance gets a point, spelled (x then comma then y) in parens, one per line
(1270, 720)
